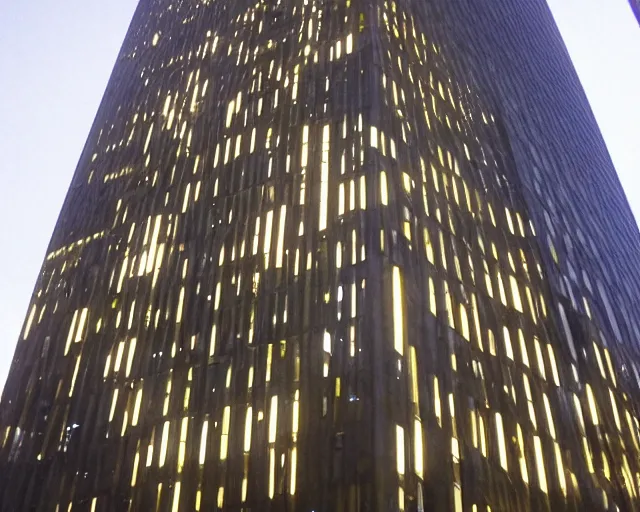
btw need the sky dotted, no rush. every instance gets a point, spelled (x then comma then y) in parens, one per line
(56, 58)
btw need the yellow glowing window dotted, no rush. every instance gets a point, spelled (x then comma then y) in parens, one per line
(400, 449)
(554, 367)
(515, 292)
(560, 467)
(614, 407)
(476, 322)
(436, 398)
(489, 285)
(492, 342)
(406, 182)
(592, 405)
(224, 440)
(273, 419)
(523, 348)
(503, 295)
(280, 243)
(182, 443)
(384, 191)
(428, 247)
(578, 408)
(272, 471)
(398, 315)
(163, 444)
(507, 343)
(509, 220)
(443, 254)
(542, 477)
(247, 429)
(75, 375)
(176, 498)
(81, 324)
(547, 408)
(230, 110)
(296, 414)
(502, 447)
(130, 356)
(180, 306)
(432, 296)
(418, 450)
(71, 332)
(294, 462)
(449, 305)
(464, 323)
(267, 236)
(269, 359)
(612, 373)
(522, 456)
(352, 195)
(414, 376)
(540, 358)
(324, 178)
(483, 438)
(216, 303)
(136, 462)
(203, 442)
(119, 356)
(136, 408)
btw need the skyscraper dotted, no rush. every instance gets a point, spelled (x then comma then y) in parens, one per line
(334, 255)
(635, 7)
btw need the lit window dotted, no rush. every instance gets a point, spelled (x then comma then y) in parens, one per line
(465, 323)
(502, 447)
(398, 316)
(224, 440)
(203, 442)
(547, 408)
(324, 178)
(384, 191)
(592, 405)
(247, 429)
(542, 477)
(418, 451)
(522, 456)
(507, 343)
(400, 449)
(515, 292)
(163, 444)
(273, 419)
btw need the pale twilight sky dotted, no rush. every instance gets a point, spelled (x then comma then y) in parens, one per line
(56, 58)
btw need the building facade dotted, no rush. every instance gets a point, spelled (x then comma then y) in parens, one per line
(635, 7)
(319, 255)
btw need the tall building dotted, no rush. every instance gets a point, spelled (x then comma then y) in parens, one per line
(334, 255)
(635, 7)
